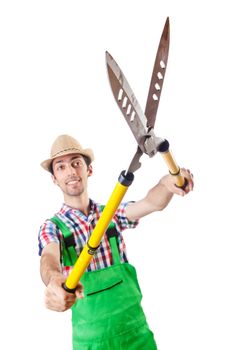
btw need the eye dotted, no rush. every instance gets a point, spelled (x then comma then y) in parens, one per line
(77, 163)
(60, 167)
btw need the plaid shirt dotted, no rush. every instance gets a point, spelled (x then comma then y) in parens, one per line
(82, 226)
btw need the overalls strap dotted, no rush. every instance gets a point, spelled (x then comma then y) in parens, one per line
(112, 235)
(69, 254)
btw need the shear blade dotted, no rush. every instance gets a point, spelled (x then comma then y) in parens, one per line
(157, 77)
(142, 126)
(127, 102)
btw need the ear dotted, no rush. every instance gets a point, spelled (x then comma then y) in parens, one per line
(90, 170)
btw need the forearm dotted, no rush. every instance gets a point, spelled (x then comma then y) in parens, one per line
(159, 196)
(156, 199)
(50, 263)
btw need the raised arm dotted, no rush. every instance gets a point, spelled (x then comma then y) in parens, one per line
(159, 196)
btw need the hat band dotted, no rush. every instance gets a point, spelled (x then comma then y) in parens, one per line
(65, 150)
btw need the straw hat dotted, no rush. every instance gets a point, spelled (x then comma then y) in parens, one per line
(65, 144)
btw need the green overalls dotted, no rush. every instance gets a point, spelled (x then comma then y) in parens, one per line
(110, 316)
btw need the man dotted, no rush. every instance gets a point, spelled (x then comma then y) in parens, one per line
(106, 306)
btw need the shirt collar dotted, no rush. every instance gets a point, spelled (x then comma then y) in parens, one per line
(65, 209)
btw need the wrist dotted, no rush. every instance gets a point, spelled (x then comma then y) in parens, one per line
(165, 183)
(56, 276)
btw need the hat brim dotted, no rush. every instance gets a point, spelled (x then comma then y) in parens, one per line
(47, 164)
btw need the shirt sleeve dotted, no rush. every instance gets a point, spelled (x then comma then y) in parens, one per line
(121, 218)
(48, 233)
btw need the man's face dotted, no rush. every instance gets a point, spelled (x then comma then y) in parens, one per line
(70, 173)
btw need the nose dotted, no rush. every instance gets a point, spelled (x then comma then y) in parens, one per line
(71, 169)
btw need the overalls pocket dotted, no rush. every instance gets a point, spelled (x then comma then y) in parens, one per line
(104, 287)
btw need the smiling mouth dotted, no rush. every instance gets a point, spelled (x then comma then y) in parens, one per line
(72, 181)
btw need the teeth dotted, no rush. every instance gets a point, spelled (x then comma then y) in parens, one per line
(72, 182)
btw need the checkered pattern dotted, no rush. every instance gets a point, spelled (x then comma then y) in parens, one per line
(82, 226)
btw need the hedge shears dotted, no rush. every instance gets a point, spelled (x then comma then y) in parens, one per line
(142, 127)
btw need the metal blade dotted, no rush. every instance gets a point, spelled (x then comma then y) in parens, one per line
(157, 77)
(130, 107)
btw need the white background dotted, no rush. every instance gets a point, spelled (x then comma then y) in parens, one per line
(53, 80)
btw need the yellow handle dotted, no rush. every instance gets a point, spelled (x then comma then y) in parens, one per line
(174, 169)
(98, 232)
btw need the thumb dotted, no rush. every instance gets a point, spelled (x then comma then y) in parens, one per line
(79, 291)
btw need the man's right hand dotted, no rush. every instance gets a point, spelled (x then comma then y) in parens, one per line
(56, 298)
